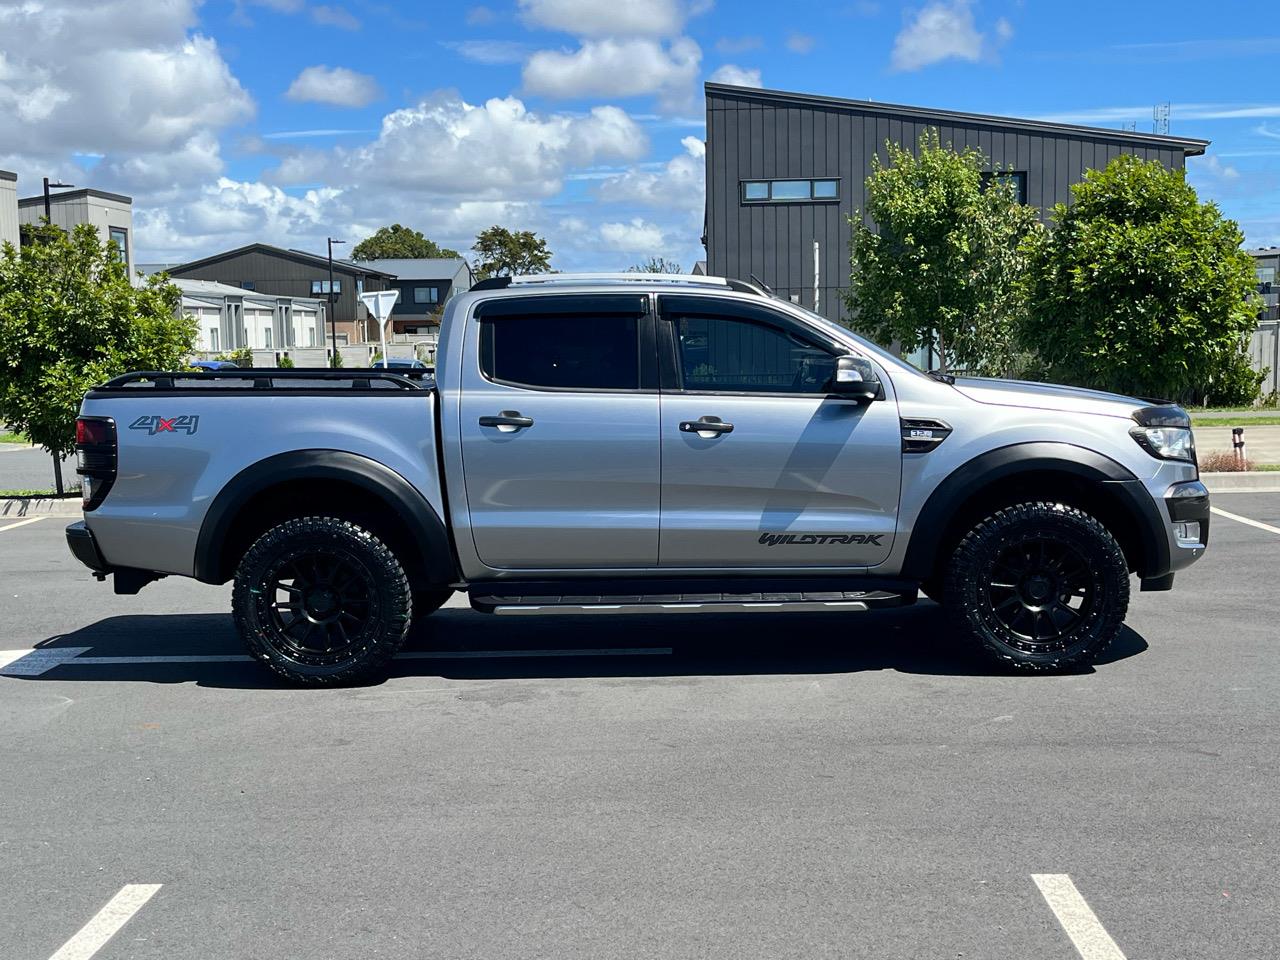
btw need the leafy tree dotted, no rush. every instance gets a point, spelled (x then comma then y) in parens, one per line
(69, 319)
(656, 265)
(286, 362)
(395, 242)
(506, 253)
(1142, 289)
(941, 267)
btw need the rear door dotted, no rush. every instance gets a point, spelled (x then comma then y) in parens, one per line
(781, 474)
(559, 427)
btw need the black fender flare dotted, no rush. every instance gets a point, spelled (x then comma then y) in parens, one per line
(1113, 480)
(381, 482)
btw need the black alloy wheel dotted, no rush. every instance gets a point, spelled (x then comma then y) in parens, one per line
(1039, 586)
(322, 601)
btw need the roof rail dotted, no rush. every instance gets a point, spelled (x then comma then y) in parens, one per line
(536, 278)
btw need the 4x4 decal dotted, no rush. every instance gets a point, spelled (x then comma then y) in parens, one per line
(805, 539)
(186, 423)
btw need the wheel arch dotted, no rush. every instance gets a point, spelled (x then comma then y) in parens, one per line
(310, 482)
(1039, 470)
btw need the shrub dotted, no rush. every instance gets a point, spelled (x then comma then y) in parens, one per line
(1219, 462)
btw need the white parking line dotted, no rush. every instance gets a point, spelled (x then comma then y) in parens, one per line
(1091, 939)
(1239, 519)
(21, 523)
(107, 922)
(33, 663)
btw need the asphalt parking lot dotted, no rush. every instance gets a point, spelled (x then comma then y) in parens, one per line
(837, 785)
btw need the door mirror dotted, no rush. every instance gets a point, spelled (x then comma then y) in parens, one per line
(856, 379)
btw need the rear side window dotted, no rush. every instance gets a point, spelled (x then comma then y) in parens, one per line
(575, 351)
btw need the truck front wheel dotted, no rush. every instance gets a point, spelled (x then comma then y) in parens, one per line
(322, 601)
(1039, 586)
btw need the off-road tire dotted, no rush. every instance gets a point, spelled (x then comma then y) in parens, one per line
(350, 591)
(999, 583)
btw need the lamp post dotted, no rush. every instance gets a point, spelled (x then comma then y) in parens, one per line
(333, 322)
(56, 185)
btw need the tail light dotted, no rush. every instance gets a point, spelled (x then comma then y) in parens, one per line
(96, 457)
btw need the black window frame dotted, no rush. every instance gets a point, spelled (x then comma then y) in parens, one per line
(769, 198)
(123, 232)
(591, 305)
(1019, 178)
(673, 306)
(318, 290)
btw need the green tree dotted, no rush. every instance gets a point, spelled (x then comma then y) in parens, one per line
(69, 319)
(940, 268)
(656, 265)
(1142, 289)
(396, 242)
(506, 253)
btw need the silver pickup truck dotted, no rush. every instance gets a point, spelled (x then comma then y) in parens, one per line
(636, 444)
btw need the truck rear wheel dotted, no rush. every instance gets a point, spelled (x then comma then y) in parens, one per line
(322, 601)
(1039, 586)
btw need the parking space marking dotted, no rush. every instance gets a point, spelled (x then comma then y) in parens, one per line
(1239, 519)
(21, 523)
(1091, 939)
(33, 663)
(107, 922)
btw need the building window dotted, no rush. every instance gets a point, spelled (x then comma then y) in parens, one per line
(322, 286)
(266, 338)
(247, 285)
(213, 339)
(426, 295)
(311, 336)
(575, 351)
(789, 191)
(1016, 177)
(120, 237)
(1266, 277)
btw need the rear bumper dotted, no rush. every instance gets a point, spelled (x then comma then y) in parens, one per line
(84, 547)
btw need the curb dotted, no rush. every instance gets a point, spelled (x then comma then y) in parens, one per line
(13, 507)
(1256, 481)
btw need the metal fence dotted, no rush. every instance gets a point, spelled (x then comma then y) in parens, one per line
(1264, 350)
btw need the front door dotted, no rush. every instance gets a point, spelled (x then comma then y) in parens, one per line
(559, 427)
(761, 467)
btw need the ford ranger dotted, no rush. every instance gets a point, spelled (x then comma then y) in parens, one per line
(618, 444)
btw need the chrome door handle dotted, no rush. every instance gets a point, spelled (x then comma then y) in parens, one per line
(706, 427)
(508, 421)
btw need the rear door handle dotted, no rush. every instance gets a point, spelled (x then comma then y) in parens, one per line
(508, 421)
(706, 427)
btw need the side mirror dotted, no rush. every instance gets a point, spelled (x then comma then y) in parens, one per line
(856, 379)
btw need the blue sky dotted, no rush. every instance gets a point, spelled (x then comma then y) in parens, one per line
(288, 120)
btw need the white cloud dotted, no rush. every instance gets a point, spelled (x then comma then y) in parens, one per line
(737, 76)
(607, 18)
(617, 68)
(1178, 111)
(732, 45)
(500, 150)
(1212, 169)
(634, 236)
(335, 85)
(490, 51)
(800, 42)
(679, 185)
(334, 16)
(103, 79)
(944, 30)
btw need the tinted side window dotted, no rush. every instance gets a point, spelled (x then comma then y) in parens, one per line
(740, 356)
(578, 350)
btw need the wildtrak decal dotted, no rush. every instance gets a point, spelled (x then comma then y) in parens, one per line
(808, 539)
(186, 423)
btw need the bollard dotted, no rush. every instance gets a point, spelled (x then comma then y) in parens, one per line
(1237, 442)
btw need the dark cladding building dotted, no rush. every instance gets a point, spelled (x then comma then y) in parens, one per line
(787, 169)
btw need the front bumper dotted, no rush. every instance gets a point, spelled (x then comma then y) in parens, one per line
(1186, 529)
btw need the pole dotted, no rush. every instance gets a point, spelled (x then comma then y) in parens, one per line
(48, 210)
(816, 294)
(57, 474)
(333, 322)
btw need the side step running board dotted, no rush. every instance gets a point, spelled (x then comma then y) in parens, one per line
(826, 601)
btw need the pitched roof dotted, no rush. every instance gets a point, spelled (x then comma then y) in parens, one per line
(423, 268)
(1190, 146)
(339, 266)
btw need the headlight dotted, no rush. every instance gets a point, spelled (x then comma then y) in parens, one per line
(1167, 443)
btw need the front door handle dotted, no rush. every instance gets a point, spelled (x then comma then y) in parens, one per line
(508, 421)
(706, 427)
